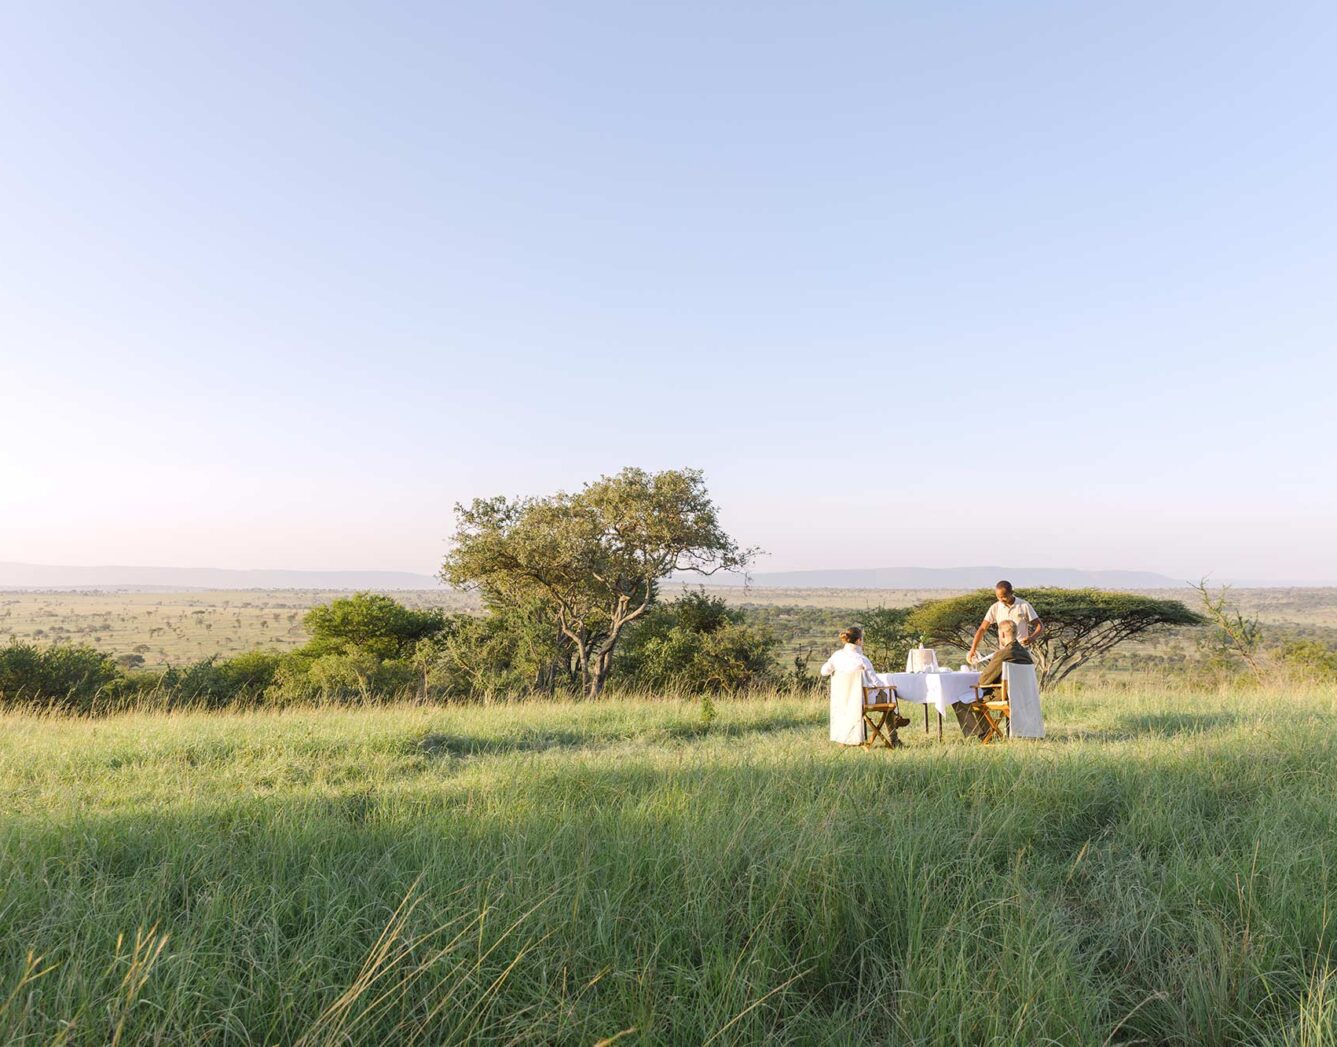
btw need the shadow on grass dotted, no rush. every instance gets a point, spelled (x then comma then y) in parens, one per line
(1175, 723)
(1152, 725)
(527, 740)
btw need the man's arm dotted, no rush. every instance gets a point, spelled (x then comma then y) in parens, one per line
(1036, 628)
(979, 635)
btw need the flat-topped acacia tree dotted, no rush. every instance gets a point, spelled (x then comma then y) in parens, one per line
(1079, 623)
(593, 558)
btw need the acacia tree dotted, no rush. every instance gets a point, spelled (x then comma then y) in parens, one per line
(594, 559)
(1235, 634)
(1079, 623)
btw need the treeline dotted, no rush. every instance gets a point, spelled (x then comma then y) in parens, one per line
(370, 647)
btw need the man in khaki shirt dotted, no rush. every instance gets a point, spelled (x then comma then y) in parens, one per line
(1009, 608)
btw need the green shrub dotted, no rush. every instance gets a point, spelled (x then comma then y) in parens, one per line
(508, 651)
(1310, 658)
(361, 646)
(241, 680)
(67, 677)
(696, 644)
(474, 657)
(250, 673)
(351, 675)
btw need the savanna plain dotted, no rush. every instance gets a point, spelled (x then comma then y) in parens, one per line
(650, 870)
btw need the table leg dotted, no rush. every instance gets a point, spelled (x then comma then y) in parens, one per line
(926, 717)
(939, 726)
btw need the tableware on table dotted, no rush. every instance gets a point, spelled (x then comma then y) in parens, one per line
(923, 659)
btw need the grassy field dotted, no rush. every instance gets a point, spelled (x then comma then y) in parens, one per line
(1160, 870)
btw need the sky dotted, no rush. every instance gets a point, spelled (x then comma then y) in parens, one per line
(923, 284)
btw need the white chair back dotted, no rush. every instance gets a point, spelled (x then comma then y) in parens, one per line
(847, 707)
(1023, 698)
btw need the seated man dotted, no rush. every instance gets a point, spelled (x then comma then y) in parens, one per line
(1010, 649)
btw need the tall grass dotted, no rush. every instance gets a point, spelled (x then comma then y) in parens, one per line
(1158, 870)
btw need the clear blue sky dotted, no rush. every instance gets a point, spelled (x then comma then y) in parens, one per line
(279, 283)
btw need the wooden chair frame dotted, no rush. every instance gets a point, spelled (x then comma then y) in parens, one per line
(882, 719)
(997, 714)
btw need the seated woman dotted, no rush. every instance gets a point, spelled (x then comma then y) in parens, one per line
(853, 672)
(850, 657)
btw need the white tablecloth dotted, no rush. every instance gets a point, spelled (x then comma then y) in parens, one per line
(942, 690)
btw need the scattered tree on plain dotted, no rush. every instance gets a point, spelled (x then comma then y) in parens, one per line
(1234, 634)
(592, 560)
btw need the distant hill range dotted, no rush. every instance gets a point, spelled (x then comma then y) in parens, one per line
(47, 576)
(951, 578)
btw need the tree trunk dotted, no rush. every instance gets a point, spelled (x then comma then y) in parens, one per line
(598, 676)
(582, 657)
(1040, 655)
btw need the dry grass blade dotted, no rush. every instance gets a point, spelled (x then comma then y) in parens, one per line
(615, 1037)
(328, 1027)
(753, 1006)
(144, 955)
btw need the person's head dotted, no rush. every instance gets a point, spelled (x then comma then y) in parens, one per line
(1003, 590)
(1007, 633)
(851, 635)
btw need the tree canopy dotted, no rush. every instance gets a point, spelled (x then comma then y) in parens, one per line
(369, 622)
(593, 559)
(1080, 624)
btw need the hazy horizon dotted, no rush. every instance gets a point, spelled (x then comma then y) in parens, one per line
(20, 576)
(914, 285)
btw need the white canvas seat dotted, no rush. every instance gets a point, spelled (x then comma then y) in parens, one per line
(1023, 699)
(863, 714)
(1015, 712)
(847, 689)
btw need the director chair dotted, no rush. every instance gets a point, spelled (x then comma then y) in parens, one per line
(1015, 698)
(882, 719)
(995, 713)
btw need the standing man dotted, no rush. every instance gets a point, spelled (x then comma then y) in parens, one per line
(1018, 626)
(1009, 608)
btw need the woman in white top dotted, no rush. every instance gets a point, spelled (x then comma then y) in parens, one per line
(850, 658)
(853, 672)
